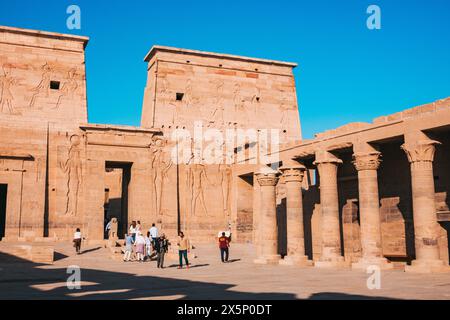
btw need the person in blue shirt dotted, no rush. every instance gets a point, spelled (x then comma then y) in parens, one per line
(129, 241)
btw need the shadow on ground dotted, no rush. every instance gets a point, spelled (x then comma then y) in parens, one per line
(24, 280)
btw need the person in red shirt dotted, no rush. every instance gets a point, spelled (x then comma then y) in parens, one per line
(224, 246)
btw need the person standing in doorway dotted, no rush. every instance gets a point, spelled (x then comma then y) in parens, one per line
(128, 247)
(77, 237)
(183, 250)
(162, 249)
(224, 246)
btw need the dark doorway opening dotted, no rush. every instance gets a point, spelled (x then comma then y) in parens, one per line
(3, 197)
(117, 181)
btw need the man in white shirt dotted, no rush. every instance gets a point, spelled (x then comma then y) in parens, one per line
(154, 234)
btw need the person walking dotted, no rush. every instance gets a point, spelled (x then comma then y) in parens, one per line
(128, 247)
(162, 249)
(224, 246)
(140, 245)
(77, 237)
(183, 250)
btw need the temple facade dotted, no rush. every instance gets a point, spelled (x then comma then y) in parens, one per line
(219, 148)
(58, 172)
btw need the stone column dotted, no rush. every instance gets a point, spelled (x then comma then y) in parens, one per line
(426, 228)
(367, 164)
(327, 165)
(268, 229)
(293, 177)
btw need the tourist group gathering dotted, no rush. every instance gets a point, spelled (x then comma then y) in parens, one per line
(141, 246)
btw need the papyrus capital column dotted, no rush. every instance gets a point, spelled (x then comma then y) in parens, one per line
(327, 165)
(420, 154)
(268, 235)
(293, 177)
(367, 164)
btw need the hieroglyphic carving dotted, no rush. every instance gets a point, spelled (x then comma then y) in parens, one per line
(6, 97)
(72, 170)
(69, 87)
(160, 165)
(43, 88)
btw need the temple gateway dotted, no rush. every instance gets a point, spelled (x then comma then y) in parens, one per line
(363, 194)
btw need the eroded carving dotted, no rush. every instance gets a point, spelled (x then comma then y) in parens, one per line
(43, 88)
(6, 97)
(160, 165)
(69, 87)
(72, 170)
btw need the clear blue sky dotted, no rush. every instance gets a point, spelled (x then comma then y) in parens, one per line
(346, 72)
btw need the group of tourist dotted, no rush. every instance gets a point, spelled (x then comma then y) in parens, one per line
(143, 247)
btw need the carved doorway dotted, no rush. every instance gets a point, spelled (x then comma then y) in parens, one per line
(117, 181)
(3, 197)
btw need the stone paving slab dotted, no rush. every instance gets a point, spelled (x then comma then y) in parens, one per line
(208, 278)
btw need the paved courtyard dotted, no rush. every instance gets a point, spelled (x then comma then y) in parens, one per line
(104, 278)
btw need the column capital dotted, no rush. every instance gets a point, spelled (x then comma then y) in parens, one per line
(323, 157)
(267, 177)
(420, 151)
(367, 160)
(293, 173)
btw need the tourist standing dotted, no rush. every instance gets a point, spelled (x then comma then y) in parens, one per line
(128, 247)
(154, 233)
(148, 246)
(224, 246)
(140, 245)
(77, 237)
(138, 227)
(183, 250)
(133, 230)
(162, 248)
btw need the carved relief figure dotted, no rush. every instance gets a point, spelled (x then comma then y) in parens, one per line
(167, 100)
(6, 97)
(69, 87)
(239, 109)
(160, 167)
(217, 116)
(225, 183)
(284, 106)
(195, 179)
(72, 170)
(253, 109)
(43, 88)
